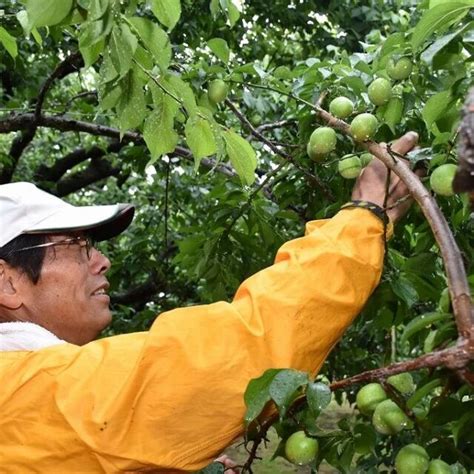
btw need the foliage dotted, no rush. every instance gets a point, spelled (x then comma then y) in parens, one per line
(214, 202)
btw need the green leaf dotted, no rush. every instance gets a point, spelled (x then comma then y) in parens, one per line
(183, 91)
(220, 48)
(155, 39)
(47, 12)
(92, 32)
(430, 52)
(9, 42)
(393, 113)
(231, 11)
(284, 386)
(158, 132)
(167, 11)
(122, 44)
(403, 288)
(97, 9)
(242, 156)
(435, 107)
(422, 322)
(422, 392)
(365, 439)
(214, 7)
(318, 396)
(131, 108)
(393, 42)
(257, 394)
(109, 96)
(437, 18)
(200, 138)
(92, 53)
(107, 70)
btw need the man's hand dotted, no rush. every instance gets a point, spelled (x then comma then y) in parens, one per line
(370, 185)
(229, 464)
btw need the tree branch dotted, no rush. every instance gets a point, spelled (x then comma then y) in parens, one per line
(62, 165)
(464, 179)
(19, 143)
(69, 65)
(99, 168)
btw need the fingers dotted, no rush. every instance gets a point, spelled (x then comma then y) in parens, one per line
(405, 143)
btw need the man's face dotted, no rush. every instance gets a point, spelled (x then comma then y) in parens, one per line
(70, 298)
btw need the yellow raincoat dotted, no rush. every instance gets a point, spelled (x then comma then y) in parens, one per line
(170, 399)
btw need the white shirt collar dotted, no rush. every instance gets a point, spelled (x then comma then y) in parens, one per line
(25, 336)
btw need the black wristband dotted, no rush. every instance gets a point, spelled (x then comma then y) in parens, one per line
(374, 208)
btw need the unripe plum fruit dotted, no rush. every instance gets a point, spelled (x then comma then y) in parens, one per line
(389, 419)
(217, 91)
(341, 107)
(441, 179)
(323, 140)
(363, 127)
(402, 382)
(380, 91)
(301, 449)
(369, 396)
(399, 70)
(349, 166)
(412, 459)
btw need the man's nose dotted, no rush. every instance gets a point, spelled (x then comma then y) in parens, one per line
(99, 262)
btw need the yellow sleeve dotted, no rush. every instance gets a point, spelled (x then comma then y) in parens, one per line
(172, 398)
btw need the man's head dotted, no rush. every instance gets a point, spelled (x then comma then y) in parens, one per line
(50, 273)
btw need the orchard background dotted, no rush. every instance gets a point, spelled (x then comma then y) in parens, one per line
(105, 101)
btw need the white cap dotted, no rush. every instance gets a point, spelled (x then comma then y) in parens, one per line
(25, 209)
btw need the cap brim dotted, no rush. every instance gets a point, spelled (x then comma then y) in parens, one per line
(101, 222)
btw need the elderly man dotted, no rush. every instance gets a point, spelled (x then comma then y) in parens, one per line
(170, 399)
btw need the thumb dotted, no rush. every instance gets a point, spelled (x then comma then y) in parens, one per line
(405, 143)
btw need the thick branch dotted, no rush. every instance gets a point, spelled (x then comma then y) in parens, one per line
(141, 293)
(98, 169)
(19, 143)
(464, 179)
(454, 358)
(64, 124)
(62, 165)
(71, 64)
(457, 280)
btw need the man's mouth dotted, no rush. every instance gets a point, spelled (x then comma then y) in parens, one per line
(100, 291)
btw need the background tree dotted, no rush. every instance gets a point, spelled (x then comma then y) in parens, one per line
(107, 101)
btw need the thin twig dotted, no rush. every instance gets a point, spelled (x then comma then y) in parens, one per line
(327, 192)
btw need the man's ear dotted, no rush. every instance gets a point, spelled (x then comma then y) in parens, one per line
(9, 286)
